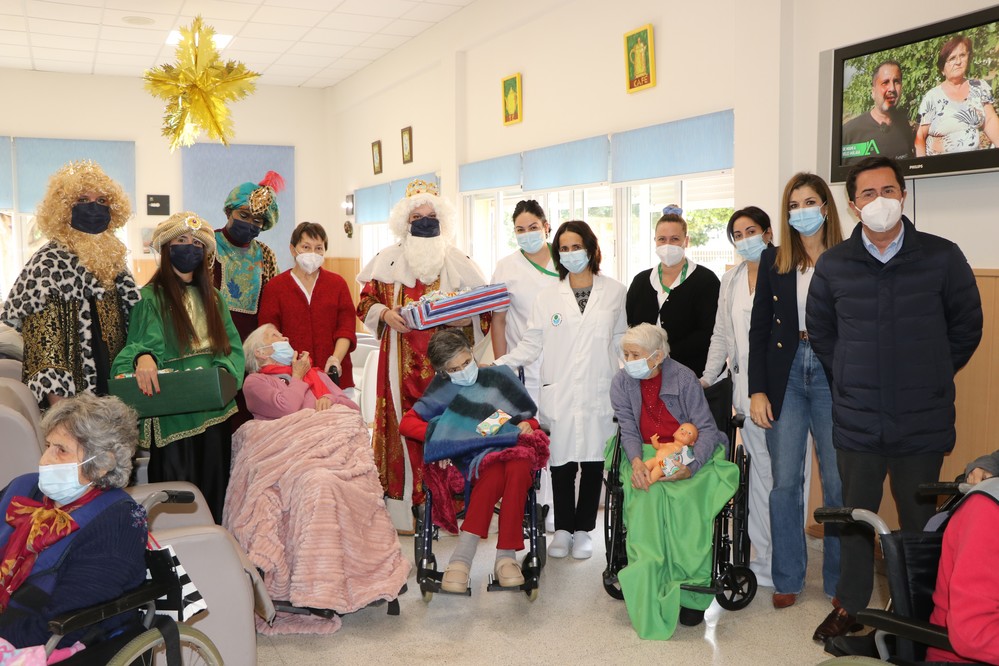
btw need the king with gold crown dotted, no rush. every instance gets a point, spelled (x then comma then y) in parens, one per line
(423, 260)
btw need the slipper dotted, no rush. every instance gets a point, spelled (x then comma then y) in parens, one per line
(455, 578)
(507, 572)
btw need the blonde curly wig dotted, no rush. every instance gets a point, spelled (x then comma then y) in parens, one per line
(102, 254)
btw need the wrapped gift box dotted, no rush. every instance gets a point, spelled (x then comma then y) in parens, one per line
(492, 423)
(180, 392)
(436, 308)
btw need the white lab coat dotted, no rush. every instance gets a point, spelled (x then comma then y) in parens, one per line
(524, 282)
(582, 355)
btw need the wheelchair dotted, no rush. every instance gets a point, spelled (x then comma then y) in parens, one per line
(158, 639)
(429, 578)
(911, 564)
(733, 582)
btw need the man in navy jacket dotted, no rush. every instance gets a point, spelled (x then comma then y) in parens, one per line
(892, 313)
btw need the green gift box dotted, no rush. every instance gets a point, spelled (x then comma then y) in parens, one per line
(180, 392)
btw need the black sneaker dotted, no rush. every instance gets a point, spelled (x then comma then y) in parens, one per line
(690, 617)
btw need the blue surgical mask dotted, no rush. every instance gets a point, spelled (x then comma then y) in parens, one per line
(751, 248)
(186, 258)
(90, 217)
(574, 262)
(466, 376)
(807, 221)
(243, 232)
(425, 227)
(639, 368)
(61, 483)
(282, 353)
(531, 241)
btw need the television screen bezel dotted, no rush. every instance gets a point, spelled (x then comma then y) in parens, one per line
(916, 167)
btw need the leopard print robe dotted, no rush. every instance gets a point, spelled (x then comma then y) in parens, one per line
(50, 305)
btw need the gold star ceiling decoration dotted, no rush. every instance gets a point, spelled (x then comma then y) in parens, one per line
(198, 87)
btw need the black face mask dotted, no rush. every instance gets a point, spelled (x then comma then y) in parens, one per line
(243, 232)
(186, 258)
(90, 217)
(425, 227)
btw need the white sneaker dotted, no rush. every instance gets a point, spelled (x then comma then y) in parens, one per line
(582, 546)
(561, 543)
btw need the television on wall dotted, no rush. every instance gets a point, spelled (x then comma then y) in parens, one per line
(926, 97)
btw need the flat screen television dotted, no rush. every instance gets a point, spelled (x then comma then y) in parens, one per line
(931, 107)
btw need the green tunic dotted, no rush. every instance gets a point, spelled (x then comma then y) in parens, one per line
(149, 333)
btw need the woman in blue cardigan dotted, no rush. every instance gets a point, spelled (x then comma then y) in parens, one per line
(789, 390)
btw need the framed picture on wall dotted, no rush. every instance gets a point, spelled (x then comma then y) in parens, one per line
(407, 145)
(640, 59)
(376, 156)
(513, 100)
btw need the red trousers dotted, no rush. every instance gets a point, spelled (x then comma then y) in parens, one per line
(510, 482)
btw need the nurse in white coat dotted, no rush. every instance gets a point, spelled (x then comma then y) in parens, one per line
(749, 230)
(579, 323)
(525, 273)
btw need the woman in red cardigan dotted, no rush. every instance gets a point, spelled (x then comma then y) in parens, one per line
(312, 306)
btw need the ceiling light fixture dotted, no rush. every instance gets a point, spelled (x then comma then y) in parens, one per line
(221, 41)
(137, 20)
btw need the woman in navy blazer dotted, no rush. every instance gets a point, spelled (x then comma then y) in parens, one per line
(789, 390)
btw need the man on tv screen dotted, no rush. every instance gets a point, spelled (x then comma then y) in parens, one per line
(885, 130)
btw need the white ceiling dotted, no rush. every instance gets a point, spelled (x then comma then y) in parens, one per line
(311, 43)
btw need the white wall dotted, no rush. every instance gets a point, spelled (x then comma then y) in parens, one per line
(761, 58)
(70, 106)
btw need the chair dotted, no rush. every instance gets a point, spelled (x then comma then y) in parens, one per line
(18, 445)
(19, 397)
(10, 369)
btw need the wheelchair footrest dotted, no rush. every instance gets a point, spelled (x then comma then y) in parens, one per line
(714, 589)
(493, 586)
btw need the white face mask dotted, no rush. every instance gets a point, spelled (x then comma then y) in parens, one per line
(881, 214)
(61, 482)
(669, 255)
(309, 262)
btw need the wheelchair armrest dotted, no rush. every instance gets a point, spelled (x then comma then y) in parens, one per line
(84, 617)
(911, 629)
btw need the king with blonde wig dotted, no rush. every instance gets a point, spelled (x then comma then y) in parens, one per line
(72, 301)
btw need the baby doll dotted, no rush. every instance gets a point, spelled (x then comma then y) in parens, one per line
(669, 455)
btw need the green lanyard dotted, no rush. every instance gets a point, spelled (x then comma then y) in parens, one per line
(544, 270)
(683, 276)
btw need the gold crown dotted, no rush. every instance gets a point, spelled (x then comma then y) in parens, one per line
(421, 187)
(260, 200)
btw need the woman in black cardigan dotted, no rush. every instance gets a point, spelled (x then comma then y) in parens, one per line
(788, 387)
(676, 294)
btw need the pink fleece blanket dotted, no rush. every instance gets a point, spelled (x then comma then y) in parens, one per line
(305, 502)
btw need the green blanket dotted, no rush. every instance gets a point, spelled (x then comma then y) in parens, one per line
(670, 528)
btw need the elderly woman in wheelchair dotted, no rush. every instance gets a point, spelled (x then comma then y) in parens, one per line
(304, 497)
(670, 521)
(481, 420)
(71, 537)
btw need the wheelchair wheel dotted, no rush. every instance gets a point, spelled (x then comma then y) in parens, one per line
(532, 595)
(147, 648)
(738, 587)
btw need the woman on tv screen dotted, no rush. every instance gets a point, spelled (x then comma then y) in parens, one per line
(952, 114)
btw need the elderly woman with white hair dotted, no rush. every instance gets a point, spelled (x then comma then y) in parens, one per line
(281, 381)
(669, 521)
(304, 498)
(72, 538)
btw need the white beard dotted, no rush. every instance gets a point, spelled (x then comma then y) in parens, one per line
(425, 256)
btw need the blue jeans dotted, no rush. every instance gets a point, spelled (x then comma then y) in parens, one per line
(807, 407)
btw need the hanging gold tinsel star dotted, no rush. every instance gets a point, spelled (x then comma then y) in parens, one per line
(198, 87)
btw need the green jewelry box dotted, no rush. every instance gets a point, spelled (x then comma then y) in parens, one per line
(180, 392)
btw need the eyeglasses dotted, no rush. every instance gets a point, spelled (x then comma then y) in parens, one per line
(452, 370)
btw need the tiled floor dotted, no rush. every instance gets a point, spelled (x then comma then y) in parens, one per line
(573, 621)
